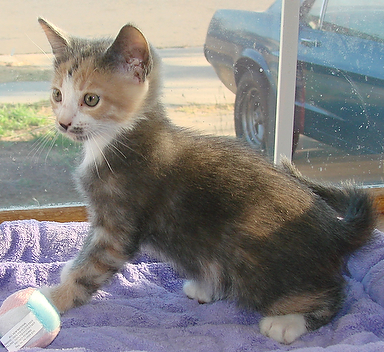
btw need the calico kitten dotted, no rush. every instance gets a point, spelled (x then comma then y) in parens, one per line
(234, 225)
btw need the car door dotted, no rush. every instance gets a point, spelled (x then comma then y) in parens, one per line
(341, 52)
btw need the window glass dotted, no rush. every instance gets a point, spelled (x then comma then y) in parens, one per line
(341, 86)
(312, 13)
(223, 82)
(37, 164)
(356, 18)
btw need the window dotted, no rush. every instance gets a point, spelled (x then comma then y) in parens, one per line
(354, 18)
(340, 60)
(339, 107)
(36, 163)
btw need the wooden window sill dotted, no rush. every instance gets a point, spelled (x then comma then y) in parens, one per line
(63, 213)
(68, 213)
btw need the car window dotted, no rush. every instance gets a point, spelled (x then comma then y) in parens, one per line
(340, 89)
(356, 18)
(312, 19)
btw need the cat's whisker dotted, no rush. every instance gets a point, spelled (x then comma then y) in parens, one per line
(111, 146)
(52, 143)
(117, 151)
(27, 134)
(94, 158)
(42, 50)
(105, 158)
(99, 135)
(37, 147)
(125, 146)
(41, 143)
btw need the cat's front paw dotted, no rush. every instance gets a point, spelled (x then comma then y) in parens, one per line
(53, 295)
(283, 328)
(66, 270)
(64, 296)
(195, 291)
(47, 292)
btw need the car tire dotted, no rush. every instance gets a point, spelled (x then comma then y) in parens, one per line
(251, 111)
(253, 116)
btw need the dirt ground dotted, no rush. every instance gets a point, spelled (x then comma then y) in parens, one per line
(28, 179)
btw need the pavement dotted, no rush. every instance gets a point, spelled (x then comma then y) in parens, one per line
(24, 92)
(188, 79)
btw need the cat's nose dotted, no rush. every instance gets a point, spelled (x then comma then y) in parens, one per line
(64, 126)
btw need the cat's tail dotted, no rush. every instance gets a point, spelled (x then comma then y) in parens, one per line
(354, 206)
(359, 221)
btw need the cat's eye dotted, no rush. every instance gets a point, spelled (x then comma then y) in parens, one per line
(56, 95)
(91, 99)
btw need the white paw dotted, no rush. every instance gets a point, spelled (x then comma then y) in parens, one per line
(283, 328)
(194, 291)
(47, 292)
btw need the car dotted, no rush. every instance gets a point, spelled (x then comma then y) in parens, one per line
(340, 72)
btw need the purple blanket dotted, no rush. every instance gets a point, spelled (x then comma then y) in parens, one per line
(144, 309)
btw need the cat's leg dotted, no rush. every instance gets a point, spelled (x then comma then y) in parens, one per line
(99, 259)
(292, 316)
(284, 328)
(198, 291)
(209, 286)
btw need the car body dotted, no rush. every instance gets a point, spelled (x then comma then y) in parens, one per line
(340, 71)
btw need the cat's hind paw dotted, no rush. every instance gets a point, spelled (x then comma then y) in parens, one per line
(195, 291)
(283, 328)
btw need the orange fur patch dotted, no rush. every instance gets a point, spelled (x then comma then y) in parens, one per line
(298, 304)
(121, 96)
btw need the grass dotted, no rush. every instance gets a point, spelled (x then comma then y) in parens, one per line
(34, 124)
(36, 161)
(25, 121)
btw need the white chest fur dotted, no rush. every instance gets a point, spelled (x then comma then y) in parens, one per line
(94, 151)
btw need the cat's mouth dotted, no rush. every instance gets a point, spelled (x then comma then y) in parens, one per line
(80, 138)
(77, 136)
(76, 133)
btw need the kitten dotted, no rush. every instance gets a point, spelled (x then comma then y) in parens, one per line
(234, 225)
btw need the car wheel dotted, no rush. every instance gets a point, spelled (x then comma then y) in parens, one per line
(251, 112)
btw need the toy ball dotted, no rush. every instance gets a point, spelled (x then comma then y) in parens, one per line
(28, 319)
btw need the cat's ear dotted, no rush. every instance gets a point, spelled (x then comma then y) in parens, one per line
(57, 38)
(131, 49)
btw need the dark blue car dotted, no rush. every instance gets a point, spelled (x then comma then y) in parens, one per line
(340, 72)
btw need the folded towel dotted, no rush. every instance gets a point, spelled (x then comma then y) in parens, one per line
(143, 308)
